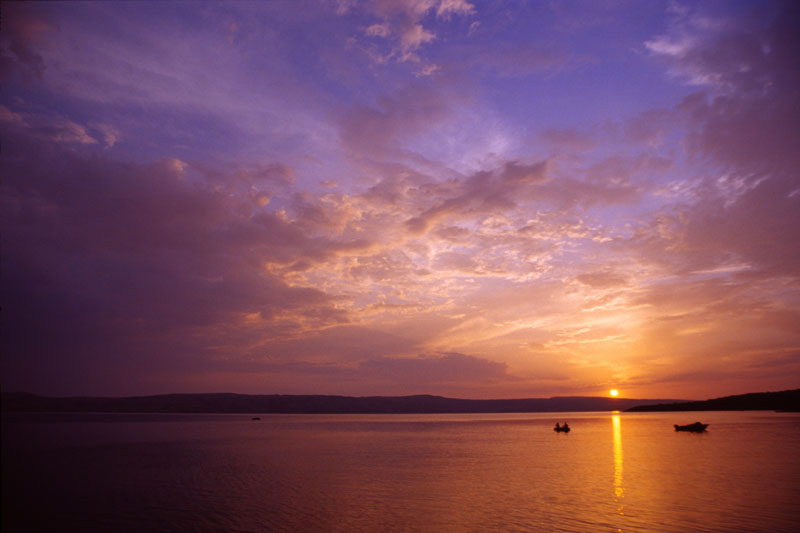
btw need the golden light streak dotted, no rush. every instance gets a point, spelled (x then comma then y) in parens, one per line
(618, 490)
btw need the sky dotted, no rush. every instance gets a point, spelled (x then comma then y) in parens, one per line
(476, 199)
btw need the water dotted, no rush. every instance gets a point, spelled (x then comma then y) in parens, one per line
(485, 472)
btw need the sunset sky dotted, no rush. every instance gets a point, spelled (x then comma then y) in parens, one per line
(478, 199)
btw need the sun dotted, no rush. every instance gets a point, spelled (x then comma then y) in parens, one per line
(613, 392)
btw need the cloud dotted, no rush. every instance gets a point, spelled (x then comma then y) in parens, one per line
(449, 373)
(181, 75)
(428, 70)
(602, 279)
(233, 31)
(744, 123)
(412, 111)
(54, 128)
(402, 24)
(378, 30)
(454, 261)
(23, 31)
(481, 193)
(416, 9)
(102, 252)
(459, 7)
(730, 55)
(449, 368)
(216, 203)
(705, 323)
(411, 39)
(569, 138)
(110, 134)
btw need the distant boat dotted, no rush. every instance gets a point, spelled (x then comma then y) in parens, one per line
(697, 427)
(561, 429)
(256, 418)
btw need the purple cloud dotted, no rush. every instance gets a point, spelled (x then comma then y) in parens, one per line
(263, 199)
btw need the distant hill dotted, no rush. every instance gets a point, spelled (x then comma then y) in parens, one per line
(276, 403)
(788, 400)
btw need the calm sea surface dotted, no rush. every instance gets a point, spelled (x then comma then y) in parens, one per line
(485, 472)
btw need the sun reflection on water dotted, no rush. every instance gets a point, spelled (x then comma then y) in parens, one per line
(618, 490)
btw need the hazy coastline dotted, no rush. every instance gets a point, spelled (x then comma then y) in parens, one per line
(326, 404)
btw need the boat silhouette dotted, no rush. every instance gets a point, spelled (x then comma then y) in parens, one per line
(697, 427)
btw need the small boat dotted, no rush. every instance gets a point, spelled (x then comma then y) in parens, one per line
(256, 418)
(561, 429)
(697, 427)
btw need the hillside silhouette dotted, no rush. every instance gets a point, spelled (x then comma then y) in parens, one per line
(788, 400)
(309, 404)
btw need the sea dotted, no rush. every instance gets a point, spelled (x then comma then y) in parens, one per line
(429, 472)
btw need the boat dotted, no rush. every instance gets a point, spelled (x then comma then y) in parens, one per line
(256, 418)
(561, 429)
(697, 427)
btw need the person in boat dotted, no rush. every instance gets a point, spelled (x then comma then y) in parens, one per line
(558, 426)
(565, 426)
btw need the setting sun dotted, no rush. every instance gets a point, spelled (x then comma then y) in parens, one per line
(613, 392)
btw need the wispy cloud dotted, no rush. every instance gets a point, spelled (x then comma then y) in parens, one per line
(400, 197)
